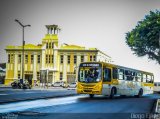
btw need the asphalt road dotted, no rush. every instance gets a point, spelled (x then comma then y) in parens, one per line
(14, 95)
(82, 107)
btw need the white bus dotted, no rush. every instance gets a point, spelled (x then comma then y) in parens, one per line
(109, 79)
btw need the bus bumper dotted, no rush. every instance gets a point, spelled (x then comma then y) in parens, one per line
(81, 91)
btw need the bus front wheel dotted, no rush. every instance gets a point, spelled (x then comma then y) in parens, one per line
(113, 92)
(91, 95)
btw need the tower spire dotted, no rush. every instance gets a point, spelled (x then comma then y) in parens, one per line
(51, 28)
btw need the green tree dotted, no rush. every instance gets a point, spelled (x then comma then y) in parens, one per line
(144, 39)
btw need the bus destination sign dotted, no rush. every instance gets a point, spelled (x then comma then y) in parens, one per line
(90, 65)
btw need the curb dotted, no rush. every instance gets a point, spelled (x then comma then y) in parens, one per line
(156, 110)
(36, 98)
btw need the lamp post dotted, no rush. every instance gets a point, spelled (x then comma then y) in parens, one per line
(159, 47)
(23, 42)
(159, 40)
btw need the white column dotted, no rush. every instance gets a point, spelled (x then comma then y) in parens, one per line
(15, 66)
(54, 76)
(55, 59)
(7, 68)
(21, 66)
(43, 59)
(78, 62)
(47, 77)
(35, 67)
(65, 67)
(85, 58)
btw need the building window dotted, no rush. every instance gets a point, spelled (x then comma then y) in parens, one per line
(94, 58)
(9, 58)
(52, 45)
(19, 76)
(61, 75)
(74, 71)
(38, 75)
(82, 58)
(12, 58)
(75, 59)
(69, 59)
(26, 58)
(46, 45)
(46, 58)
(49, 57)
(49, 45)
(39, 59)
(61, 59)
(19, 58)
(52, 58)
(32, 57)
(91, 58)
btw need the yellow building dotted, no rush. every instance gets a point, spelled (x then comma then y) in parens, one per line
(59, 62)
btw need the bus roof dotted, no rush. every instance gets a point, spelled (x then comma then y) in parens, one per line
(119, 66)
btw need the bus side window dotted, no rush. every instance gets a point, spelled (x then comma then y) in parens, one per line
(128, 75)
(107, 75)
(144, 78)
(134, 76)
(121, 74)
(139, 77)
(149, 79)
(155, 84)
(152, 78)
(115, 73)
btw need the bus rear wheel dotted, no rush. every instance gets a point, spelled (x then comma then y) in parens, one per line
(91, 95)
(140, 93)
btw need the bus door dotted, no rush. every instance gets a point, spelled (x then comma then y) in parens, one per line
(106, 81)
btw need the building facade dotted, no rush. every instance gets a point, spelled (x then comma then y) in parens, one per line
(49, 60)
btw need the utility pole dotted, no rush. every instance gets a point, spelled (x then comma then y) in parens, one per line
(23, 43)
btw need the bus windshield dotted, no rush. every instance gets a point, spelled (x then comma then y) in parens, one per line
(90, 74)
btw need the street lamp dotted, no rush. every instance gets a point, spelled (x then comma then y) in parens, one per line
(159, 48)
(159, 40)
(23, 42)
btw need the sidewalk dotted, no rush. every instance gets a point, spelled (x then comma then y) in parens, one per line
(3, 86)
(8, 95)
(156, 110)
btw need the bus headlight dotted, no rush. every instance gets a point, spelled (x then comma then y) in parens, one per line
(79, 86)
(97, 87)
(98, 80)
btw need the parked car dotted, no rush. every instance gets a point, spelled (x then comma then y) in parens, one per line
(65, 85)
(72, 85)
(57, 84)
(156, 88)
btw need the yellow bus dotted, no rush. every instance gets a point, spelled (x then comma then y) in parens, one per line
(99, 78)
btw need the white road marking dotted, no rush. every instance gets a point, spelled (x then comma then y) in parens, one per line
(3, 94)
(21, 106)
(28, 92)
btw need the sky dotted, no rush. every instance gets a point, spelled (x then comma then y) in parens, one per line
(102, 24)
